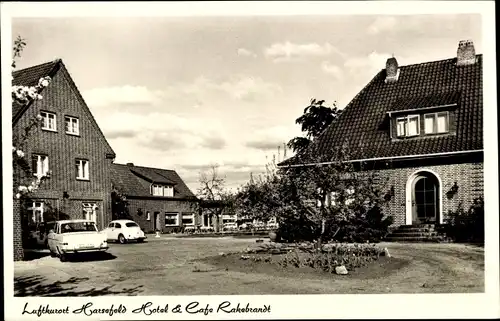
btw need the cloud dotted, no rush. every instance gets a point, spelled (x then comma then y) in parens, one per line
(126, 95)
(246, 53)
(213, 142)
(119, 133)
(288, 51)
(368, 64)
(249, 88)
(382, 24)
(193, 95)
(332, 69)
(263, 145)
(271, 138)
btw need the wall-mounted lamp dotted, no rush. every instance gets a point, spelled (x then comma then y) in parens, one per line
(139, 211)
(453, 190)
(65, 195)
(390, 193)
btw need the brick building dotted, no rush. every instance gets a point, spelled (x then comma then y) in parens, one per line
(70, 145)
(420, 129)
(158, 199)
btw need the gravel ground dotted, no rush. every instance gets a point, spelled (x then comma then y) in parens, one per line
(170, 266)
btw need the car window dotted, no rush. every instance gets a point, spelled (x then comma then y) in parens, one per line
(118, 225)
(111, 224)
(73, 227)
(131, 224)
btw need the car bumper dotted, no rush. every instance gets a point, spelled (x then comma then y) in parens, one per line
(86, 250)
(133, 238)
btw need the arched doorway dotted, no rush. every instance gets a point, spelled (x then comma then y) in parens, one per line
(423, 196)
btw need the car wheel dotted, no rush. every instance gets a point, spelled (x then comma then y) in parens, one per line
(122, 239)
(52, 254)
(63, 257)
(140, 240)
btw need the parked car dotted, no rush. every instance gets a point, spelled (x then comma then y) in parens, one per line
(230, 226)
(246, 226)
(71, 237)
(124, 231)
(39, 236)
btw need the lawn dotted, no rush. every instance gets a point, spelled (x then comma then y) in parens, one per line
(190, 266)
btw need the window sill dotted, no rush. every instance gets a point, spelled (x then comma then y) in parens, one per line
(436, 134)
(73, 134)
(49, 130)
(83, 179)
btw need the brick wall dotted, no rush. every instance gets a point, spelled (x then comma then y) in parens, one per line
(161, 206)
(63, 149)
(469, 178)
(18, 239)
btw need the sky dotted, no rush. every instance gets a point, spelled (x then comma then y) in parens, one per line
(184, 93)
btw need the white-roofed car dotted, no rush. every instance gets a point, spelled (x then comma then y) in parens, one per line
(71, 237)
(123, 231)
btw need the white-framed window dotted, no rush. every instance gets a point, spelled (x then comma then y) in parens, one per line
(436, 123)
(39, 165)
(187, 219)
(171, 219)
(90, 211)
(168, 191)
(72, 125)
(82, 169)
(408, 126)
(48, 121)
(35, 210)
(157, 190)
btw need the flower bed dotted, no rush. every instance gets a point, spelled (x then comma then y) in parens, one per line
(332, 258)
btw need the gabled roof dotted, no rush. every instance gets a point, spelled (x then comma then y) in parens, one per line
(30, 77)
(136, 181)
(364, 123)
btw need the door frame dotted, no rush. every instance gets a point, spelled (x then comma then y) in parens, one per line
(410, 194)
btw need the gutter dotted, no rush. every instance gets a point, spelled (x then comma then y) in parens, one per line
(391, 158)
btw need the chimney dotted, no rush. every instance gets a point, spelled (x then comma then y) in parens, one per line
(391, 70)
(466, 54)
(130, 164)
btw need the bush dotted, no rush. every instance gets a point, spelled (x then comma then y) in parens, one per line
(369, 227)
(297, 229)
(467, 225)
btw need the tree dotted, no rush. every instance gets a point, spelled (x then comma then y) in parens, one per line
(24, 184)
(119, 205)
(213, 194)
(314, 121)
(336, 194)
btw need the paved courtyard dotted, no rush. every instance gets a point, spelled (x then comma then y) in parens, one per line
(169, 266)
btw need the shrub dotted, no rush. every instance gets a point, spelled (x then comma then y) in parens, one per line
(297, 229)
(467, 225)
(371, 227)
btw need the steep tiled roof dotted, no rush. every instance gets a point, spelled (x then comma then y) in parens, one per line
(135, 181)
(364, 124)
(29, 77)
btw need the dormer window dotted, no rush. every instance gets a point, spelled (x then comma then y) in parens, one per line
(160, 190)
(436, 123)
(168, 191)
(157, 190)
(408, 126)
